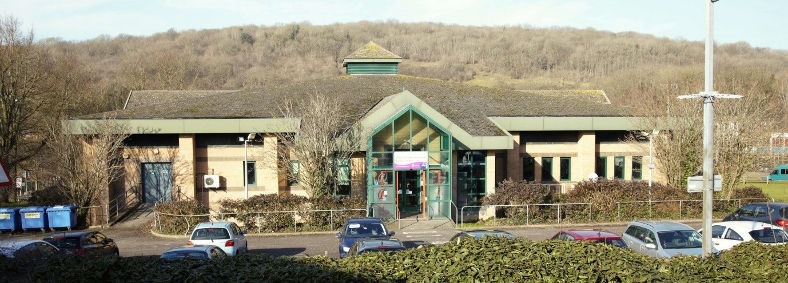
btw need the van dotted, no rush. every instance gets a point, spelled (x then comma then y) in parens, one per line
(779, 174)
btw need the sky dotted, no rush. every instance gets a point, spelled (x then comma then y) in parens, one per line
(757, 22)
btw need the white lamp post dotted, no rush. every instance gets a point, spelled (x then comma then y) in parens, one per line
(246, 169)
(708, 96)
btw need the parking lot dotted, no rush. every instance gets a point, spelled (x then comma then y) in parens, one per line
(133, 242)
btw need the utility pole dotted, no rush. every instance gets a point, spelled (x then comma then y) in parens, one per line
(708, 95)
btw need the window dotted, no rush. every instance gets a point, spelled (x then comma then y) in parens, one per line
(528, 168)
(601, 167)
(471, 176)
(292, 179)
(251, 173)
(566, 168)
(717, 231)
(732, 235)
(618, 168)
(637, 167)
(343, 178)
(547, 169)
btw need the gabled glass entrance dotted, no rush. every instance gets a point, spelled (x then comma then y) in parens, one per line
(409, 162)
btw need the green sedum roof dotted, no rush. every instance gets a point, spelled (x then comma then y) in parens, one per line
(372, 51)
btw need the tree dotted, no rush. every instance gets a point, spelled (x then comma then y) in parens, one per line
(86, 164)
(325, 135)
(23, 86)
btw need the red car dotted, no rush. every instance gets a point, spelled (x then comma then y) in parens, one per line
(600, 237)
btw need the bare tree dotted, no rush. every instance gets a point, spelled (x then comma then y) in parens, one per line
(87, 163)
(325, 136)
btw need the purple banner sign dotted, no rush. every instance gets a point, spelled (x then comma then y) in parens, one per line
(410, 160)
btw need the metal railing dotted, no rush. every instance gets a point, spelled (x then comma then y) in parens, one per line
(624, 210)
(259, 218)
(121, 203)
(527, 210)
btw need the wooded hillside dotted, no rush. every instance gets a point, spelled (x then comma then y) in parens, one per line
(633, 69)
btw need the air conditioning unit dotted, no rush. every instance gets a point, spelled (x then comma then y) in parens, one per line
(211, 181)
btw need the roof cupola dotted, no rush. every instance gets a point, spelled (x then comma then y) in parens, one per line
(372, 60)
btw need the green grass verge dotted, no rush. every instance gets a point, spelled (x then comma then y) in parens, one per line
(778, 190)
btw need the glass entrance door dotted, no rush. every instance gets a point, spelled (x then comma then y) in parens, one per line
(410, 193)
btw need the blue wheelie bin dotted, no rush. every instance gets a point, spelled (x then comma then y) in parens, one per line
(9, 219)
(62, 216)
(34, 217)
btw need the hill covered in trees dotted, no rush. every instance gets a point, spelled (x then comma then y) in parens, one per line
(634, 69)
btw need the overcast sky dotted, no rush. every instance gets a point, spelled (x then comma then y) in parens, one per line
(760, 23)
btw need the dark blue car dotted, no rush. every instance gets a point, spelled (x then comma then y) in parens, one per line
(361, 228)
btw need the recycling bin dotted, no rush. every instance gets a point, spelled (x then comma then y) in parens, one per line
(34, 217)
(62, 216)
(9, 219)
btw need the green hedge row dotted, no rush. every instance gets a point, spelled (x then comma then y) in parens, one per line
(169, 224)
(485, 260)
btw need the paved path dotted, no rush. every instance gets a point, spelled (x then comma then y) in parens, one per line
(133, 242)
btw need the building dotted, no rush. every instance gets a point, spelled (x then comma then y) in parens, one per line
(429, 145)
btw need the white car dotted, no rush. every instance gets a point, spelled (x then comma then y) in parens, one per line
(225, 235)
(727, 234)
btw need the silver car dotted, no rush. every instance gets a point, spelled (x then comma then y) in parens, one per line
(663, 239)
(225, 235)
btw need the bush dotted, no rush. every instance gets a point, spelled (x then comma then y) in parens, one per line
(168, 223)
(518, 193)
(484, 260)
(246, 212)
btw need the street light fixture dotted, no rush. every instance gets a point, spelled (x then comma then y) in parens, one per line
(708, 95)
(246, 162)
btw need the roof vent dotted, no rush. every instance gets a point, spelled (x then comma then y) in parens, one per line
(372, 60)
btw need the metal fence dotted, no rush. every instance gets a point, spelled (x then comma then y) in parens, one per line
(261, 221)
(556, 213)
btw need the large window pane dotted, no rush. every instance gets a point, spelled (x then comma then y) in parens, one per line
(637, 167)
(382, 140)
(618, 168)
(547, 169)
(382, 160)
(382, 177)
(419, 128)
(601, 167)
(435, 138)
(566, 168)
(402, 133)
(471, 177)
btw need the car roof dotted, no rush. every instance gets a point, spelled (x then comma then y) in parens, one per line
(201, 248)
(591, 234)
(482, 232)
(747, 225)
(18, 244)
(220, 224)
(364, 220)
(371, 244)
(663, 225)
(70, 234)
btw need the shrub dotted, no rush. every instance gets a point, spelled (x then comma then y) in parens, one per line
(169, 224)
(247, 211)
(484, 260)
(521, 192)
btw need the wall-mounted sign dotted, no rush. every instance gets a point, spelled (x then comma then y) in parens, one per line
(410, 160)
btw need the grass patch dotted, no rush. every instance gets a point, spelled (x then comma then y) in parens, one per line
(778, 190)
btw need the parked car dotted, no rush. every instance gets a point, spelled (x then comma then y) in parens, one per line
(225, 235)
(194, 252)
(356, 229)
(663, 239)
(31, 249)
(725, 235)
(778, 174)
(370, 245)
(600, 237)
(774, 213)
(88, 243)
(478, 234)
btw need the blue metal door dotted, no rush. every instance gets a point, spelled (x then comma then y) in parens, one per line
(157, 182)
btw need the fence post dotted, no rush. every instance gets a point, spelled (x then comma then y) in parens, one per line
(495, 215)
(558, 217)
(259, 224)
(331, 222)
(649, 209)
(159, 217)
(106, 216)
(187, 225)
(295, 225)
(527, 215)
(590, 217)
(618, 211)
(681, 215)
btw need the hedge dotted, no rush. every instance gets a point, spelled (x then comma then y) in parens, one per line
(169, 224)
(485, 260)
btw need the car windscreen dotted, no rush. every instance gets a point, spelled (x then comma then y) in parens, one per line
(680, 239)
(184, 254)
(769, 236)
(65, 243)
(375, 250)
(613, 242)
(481, 234)
(355, 230)
(210, 234)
